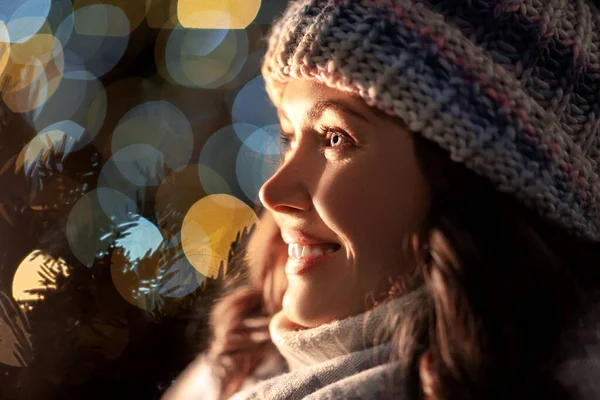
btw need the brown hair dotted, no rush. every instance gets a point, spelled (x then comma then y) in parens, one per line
(502, 285)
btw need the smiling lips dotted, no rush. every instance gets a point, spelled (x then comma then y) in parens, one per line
(304, 257)
(306, 250)
(298, 251)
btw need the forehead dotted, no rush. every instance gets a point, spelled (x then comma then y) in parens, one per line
(309, 99)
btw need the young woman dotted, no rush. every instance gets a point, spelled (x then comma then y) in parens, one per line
(432, 230)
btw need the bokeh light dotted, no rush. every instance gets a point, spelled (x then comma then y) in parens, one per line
(60, 19)
(111, 178)
(57, 139)
(94, 39)
(249, 70)
(160, 125)
(5, 47)
(124, 95)
(142, 164)
(176, 194)
(139, 133)
(91, 228)
(33, 72)
(81, 101)
(227, 164)
(130, 280)
(101, 20)
(212, 181)
(257, 160)
(40, 47)
(151, 281)
(141, 238)
(36, 271)
(134, 267)
(209, 229)
(181, 278)
(253, 106)
(217, 14)
(171, 240)
(27, 87)
(201, 58)
(217, 160)
(134, 11)
(263, 140)
(24, 18)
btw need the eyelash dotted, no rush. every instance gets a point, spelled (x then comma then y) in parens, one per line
(285, 140)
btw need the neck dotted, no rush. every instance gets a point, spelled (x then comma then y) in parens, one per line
(306, 347)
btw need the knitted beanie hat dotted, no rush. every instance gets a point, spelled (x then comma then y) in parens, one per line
(510, 88)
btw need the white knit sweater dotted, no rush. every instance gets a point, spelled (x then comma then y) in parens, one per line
(349, 359)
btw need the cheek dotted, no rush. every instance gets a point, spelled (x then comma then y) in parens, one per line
(375, 196)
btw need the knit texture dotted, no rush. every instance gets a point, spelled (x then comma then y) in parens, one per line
(349, 359)
(345, 359)
(509, 88)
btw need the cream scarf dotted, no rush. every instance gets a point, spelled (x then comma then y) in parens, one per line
(347, 358)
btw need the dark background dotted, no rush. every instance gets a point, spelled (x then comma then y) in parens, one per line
(80, 315)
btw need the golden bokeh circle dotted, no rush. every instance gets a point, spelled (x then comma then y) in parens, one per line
(217, 14)
(28, 275)
(210, 227)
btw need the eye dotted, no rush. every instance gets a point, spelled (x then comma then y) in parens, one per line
(285, 139)
(335, 140)
(335, 137)
(331, 138)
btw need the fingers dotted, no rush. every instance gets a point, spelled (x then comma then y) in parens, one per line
(241, 341)
(425, 375)
(244, 338)
(248, 333)
(257, 322)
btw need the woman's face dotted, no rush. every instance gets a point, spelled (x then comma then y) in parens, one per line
(355, 190)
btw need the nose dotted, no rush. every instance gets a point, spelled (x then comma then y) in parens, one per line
(287, 189)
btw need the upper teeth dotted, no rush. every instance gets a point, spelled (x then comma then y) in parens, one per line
(296, 250)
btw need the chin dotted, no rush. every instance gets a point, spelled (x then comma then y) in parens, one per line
(304, 312)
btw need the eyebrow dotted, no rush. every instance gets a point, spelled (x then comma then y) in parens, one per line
(320, 106)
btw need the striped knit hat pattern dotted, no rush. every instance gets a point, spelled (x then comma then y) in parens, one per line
(510, 88)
